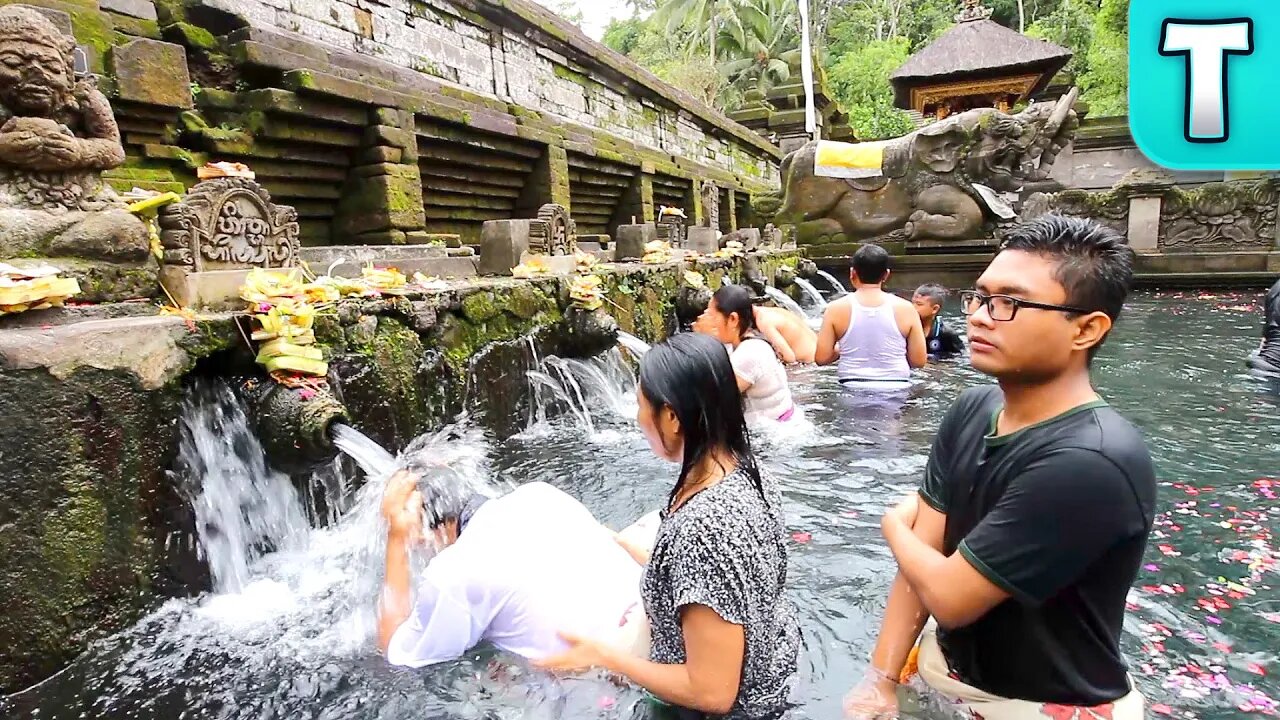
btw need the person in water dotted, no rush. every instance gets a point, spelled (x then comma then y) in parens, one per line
(514, 570)
(1030, 525)
(725, 640)
(730, 318)
(940, 341)
(1265, 361)
(791, 337)
(875, 336)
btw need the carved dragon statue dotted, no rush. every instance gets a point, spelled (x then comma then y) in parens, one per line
(941, 182)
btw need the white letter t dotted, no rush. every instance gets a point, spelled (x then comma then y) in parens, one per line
(1206, 45)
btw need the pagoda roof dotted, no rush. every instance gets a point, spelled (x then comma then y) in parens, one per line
(978, 48)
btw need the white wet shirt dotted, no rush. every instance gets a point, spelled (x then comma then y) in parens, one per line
(528, 565)
(756, 362)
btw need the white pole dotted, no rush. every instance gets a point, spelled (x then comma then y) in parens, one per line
(806, 71)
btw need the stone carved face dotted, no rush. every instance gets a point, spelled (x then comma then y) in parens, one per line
(36, 76)
(996, 149)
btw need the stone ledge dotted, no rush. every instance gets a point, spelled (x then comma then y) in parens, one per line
(147, 347)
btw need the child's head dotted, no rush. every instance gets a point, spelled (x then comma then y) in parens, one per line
(928, 300)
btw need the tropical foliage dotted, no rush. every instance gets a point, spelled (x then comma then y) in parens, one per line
(721, 50)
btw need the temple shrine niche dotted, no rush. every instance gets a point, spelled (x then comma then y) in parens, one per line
(978, 63)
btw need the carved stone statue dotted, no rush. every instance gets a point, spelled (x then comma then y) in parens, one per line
(554, 232)
(227, 223)
(57, 135)
(710, 204)
(941, 182)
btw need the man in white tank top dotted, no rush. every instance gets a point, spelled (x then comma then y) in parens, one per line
(875, 336)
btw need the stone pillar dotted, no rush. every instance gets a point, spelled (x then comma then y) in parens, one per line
(632, 239)
(1145, 190)
(381, 202)
(732, 208)
(705, 240)
(1144, 223)
(693, 203)
(502, 244)
(548, 183)
(635, 205)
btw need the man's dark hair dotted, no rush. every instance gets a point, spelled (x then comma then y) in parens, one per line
(933, 291)
(1092, 262)
(870, 263)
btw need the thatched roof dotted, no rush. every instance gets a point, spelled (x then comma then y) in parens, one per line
(978, 49)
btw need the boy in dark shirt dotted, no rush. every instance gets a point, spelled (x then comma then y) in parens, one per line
(1031, 522)
(939, 340)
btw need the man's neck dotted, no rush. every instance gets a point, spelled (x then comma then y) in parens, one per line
(1028, 404)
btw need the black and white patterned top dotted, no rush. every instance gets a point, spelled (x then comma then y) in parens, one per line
(725, 548)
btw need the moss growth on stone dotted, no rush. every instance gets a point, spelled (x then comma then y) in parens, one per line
(192, 36)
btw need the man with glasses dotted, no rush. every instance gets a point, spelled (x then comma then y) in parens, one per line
(1037, 500)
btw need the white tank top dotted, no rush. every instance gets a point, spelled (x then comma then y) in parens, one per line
(873, 348)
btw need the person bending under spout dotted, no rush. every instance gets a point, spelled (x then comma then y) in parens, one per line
(514, 570)
(1037, 501)
(1265, 361)
(789, 334)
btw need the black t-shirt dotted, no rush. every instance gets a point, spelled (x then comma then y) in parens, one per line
(1271, 326)
(1056, 514)
(942, 341)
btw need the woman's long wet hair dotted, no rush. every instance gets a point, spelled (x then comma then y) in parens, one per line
(737, 299)
(691, 374)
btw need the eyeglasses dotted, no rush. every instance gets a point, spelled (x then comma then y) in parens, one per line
(1003, 308)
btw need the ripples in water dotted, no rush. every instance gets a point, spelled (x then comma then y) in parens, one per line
(291, 644)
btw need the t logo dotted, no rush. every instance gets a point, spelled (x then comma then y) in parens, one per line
(1202, 83)
(1206, 44)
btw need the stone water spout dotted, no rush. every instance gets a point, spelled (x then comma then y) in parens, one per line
(590, 332)
(294, 425)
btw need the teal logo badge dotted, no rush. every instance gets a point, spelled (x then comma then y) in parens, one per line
(1202, 80)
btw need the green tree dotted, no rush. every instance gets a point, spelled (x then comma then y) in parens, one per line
(1105, 85)
(860, 83)
(758, 46)
(623, 35)
(1071, 26)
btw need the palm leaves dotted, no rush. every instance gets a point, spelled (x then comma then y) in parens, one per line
(758, 44)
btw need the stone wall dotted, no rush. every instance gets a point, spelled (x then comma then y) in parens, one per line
(92, 532)
(413, 117)
(1104, 152)
(1210, 233)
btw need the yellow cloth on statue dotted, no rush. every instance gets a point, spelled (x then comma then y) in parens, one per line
(849, 160)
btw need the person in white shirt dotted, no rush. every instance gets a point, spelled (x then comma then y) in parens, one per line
(762, 379)
(514, 571)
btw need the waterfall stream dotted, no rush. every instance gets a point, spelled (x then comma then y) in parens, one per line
(837, 289)
(811, 292)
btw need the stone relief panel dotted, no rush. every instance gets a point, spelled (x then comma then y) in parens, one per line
(1220, 216)
(229, 223)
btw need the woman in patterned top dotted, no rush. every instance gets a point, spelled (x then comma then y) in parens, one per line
(724, 635)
